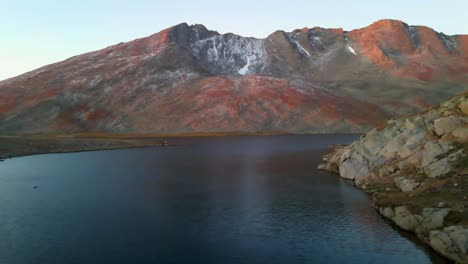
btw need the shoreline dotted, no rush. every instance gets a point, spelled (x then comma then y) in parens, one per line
(416, 171)
(12, 146)
(409, 234)
(21, 146)
(439, 225)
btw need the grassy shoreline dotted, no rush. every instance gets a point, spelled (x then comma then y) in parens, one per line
(35, 144)
(27, 145)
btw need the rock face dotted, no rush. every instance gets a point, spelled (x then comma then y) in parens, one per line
(451, 241)
(417, 171)
(191, 79)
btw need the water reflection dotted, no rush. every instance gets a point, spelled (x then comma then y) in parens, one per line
(208, 200)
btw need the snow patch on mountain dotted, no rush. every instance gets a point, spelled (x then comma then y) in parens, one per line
(299, 47)
(245, 69)
(351, 49)
(448, 42)
(230, 54)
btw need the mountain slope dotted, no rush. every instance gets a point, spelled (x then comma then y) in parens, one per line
(190, 79)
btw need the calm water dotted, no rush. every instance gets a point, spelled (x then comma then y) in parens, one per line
(210, 200)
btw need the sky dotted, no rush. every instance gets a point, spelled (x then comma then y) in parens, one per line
(35, 33)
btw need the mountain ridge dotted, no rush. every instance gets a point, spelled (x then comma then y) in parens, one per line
(463, 37)
(124, 87)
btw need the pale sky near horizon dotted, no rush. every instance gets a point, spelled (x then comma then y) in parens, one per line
(37, 33)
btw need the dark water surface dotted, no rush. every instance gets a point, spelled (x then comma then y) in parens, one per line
(206, 200)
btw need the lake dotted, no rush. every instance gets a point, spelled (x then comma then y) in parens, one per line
(204, 200)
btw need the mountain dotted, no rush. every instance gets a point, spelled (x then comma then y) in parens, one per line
(191, 79)
(416, 169)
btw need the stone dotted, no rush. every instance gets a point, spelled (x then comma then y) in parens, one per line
(432, 150)
(442, 166)
(354, 166)
(405, 185)
(460, 238)
(461, 133)
(392, 169)
(411, 143)
(441, 205)
(415, 123)
(431, 116)
(393, 147)
(375, 142)
(403, 164)
(463, 106)
(434, 217)
(406, 220)
(451, 242)
(447, 124)
(437, 168)
(415, 158)
(387, 212)
(448, 104)
(440, 241)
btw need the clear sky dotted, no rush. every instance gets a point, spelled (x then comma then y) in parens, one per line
(38, 32)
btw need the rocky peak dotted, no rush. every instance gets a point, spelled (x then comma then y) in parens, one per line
(392, 45)
(389, 24)
(185, 35)
(390, 37)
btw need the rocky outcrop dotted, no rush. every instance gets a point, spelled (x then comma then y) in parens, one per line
(416, 169)
(451, 241)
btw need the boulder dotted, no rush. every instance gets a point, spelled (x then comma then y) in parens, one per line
(412, 142)
(431, 116)
(437, 168)
(432, 150)
(448, 104)
(415, 123)
(387, 212)
(463, 106)
(443, 166)
(406, 220)
(444, 125)
(393, 147)
(415, 158)
(353, 167)
(375, 142)
(403, 164)
(434, 217)
(461, 133)
(451, 242)
(460, 237)
(405, 185)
